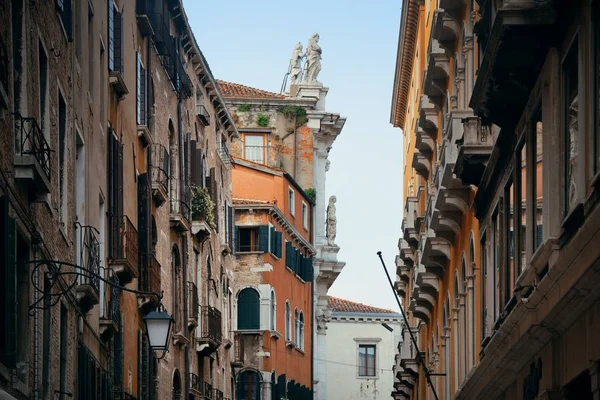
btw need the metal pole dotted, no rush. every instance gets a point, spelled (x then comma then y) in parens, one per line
(412, 337)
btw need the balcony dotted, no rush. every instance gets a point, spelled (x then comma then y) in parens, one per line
(193, 309)
(183, 82)
(143, 10)
(514, 37)
(217, 394)
(421, 162)
(238, 354)
(209, 336)
(449, 149)
(436, 253)
(437, 75)
(446, 28)
(265, 155)
(88, 257)
(224, 155)
(407, 253)
(123, 249)
(181, 214)
(410, 222)
(474, 151)
(159, 23)
(200, 388)
(32, 156)
(110, 317)
(150, 281)
(202, 114)
(159, 169)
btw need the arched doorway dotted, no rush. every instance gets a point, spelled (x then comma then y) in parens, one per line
(248, 385)
(176, 389)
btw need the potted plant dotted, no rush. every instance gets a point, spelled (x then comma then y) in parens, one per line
(202, 206)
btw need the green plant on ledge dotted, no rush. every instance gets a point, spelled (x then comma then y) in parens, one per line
(244, 107)
(202, 205)
(291, 111)
(312, 193)
(262, 120)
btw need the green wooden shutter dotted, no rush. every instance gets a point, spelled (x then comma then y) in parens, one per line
(237, 239)
(278, 239)
(310, 271)
(295, 259)
(288, 254)
(263, 238)
(248, 309)
(300, 271)
(272, 241)
(9, 286)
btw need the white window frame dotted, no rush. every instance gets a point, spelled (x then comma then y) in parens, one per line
(368, 342)
(304, 215)
(292, 201)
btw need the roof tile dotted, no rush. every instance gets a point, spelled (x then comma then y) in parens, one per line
(341, 305)
(235, 90)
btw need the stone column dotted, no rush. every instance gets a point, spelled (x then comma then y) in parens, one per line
(322, 318)
(321, 165)
(471, 319)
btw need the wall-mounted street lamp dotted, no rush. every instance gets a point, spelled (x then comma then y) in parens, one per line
(158, 322)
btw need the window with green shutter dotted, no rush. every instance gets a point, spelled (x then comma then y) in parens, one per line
(278, 242)
(272, 240)
(263, 238)
(248, 309)
(289, 250)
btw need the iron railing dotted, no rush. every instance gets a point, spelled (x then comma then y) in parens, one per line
(123, 245)
(210, 324)
(159, 166)
(193, 306)
(203, 114)
(150, 277)
(162, 35)
(112, 308)
(181, 199)
(224, 153)
(202, 388)
(31, 141)
(184, 84)
(217, 394)
(89, 256)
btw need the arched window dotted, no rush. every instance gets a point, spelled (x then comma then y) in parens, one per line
(301, 339)
(288, 322)
(463, 316)
(471, 300)
(296, 326)
(274, 394)
(273, 310)
(455, 333)
(248, 385)
(248, 312)
(176, 386)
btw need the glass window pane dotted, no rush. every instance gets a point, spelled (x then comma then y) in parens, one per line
(571, 113)
(522, 210)
(539, 182)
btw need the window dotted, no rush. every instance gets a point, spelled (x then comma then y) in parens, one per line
(115, 38)
(62, 157)
(91, 61)
(301, 336)
(484, 289)
(304, 215)
(509, 234)
(254, 149)
(367, 360)
(288, 322)
(520, 212)
(275, 242)
(141, 113)
(571, 126)
(248, 312)
(291, 201)
(64, 10)
(495, 265)
(296, 326)
(248, 385)
(43, 76)
(538, 178)
(273, 310)
(255, 238)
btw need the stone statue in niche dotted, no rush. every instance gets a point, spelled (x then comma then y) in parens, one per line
(295, 68)
(331, 226)
(313, 59)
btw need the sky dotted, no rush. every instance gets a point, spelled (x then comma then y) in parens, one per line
(251, 43)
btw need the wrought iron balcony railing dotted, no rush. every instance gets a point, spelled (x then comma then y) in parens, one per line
(159, 169)
(224, 153)
(199, 387)
(150, 276)
(203, 114)
(180, 196)
(217, 394)
(31, 142)
(210, 325)
(123, 248)
(89, 257)
(184, 84)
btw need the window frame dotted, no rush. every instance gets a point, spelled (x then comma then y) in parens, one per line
(288, 325)
(292, 201)
(238, 303)
(304, 215)
(263, 146)
(254, 239)
(367, 344)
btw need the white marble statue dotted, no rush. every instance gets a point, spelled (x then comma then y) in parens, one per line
(313, 59)
(331, 226)
(295, 68)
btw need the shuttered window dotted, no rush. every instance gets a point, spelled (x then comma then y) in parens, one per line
(115, 38)
(248, 309)
(263, 234)
(288, 254)
(141, 91)
(8, 287)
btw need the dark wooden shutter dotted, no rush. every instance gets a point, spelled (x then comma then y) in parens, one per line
(294, 260)
(310, 271)
(214, 195)
(119, 178)
(272, 240)
(194, 178)
(237, 239)
(278, 238)
(539, 235)
(263, 238)
(289, 251)
(9, 286)
(300, 271)
(111, 36)
(231, 224)
(144, 226)
(119, 59)
(248, 309)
